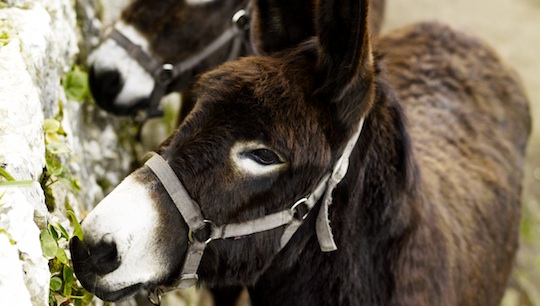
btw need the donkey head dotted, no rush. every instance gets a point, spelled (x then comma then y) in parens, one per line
(168, 32)
(264, 132)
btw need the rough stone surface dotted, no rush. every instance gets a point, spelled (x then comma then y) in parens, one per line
(38, 45)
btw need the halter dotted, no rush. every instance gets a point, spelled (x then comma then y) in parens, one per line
(291, 217)
(164, 73)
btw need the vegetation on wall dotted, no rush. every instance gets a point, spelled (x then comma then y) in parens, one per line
(64, 288)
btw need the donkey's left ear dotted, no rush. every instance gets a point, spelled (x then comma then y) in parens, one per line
(345, 61)
(281, 24)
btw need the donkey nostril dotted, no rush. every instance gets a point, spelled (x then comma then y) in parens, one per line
(104, 258)
(105, 86)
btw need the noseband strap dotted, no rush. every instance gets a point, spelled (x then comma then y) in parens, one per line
(165, 73)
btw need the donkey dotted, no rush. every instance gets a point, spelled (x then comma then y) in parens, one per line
(329, 174)
(161, 46)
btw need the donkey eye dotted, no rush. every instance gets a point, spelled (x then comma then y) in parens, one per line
(264, 157)
(255, 159)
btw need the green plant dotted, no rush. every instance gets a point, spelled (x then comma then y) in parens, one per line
(64, 288)
(11, 181)
(4, 38)
(75, 84)
(54, 169)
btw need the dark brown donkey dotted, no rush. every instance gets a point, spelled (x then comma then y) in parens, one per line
(160, 46)
(424, 210)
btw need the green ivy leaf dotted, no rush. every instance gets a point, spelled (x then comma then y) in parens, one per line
(77, 230)
(51, 125)
(62, 256)
(87, 297)
(66, 179)
(58, 148)
(53, 232)
(48, 244)
(76, 84)
(56, 283)
(69, 280)
(54, 166)
(60, 230)
(52, 299)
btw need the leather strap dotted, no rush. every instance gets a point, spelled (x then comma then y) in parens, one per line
(324, 232)
(188, 208)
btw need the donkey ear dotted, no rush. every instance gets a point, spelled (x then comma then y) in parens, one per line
(345, 62)
(281, 24)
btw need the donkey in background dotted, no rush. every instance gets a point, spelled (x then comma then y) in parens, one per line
(426, 214)
(124, 81)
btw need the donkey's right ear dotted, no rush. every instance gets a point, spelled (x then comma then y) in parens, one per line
(345, 61)
(281, 24)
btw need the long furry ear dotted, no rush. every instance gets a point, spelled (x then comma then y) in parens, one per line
(345, 60)
(281, 24)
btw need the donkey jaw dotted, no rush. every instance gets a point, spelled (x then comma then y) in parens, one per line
(134, 84)
(119, 254)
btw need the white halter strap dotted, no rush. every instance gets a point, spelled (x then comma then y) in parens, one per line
(290, 218)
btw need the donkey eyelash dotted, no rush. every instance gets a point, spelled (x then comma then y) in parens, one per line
(264, 157)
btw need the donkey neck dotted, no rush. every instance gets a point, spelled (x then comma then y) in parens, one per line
(370, 218)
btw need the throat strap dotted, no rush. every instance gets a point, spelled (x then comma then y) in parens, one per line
(322, 227)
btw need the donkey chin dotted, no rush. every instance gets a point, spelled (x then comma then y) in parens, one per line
(118, 257)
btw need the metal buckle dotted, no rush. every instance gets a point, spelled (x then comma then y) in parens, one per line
(154, 296)
(188, 280)
(209, 224)
(241, 19)
(295, 212)
(166, 73)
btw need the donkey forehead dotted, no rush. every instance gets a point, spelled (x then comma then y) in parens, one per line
(259, 98)
(273, 82)
(266, 86)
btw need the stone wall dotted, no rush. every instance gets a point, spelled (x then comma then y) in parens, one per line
(39, 44)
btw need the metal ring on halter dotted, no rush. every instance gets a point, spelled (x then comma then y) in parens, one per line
(166, 74)
(298, 203)
(154, 296)
(240, 19)
(209, 223)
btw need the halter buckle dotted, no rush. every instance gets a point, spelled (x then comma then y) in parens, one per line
(207, 225)
(295, 211)
(188, 280)
(166, 74)
(241, 19)
(154, 296)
